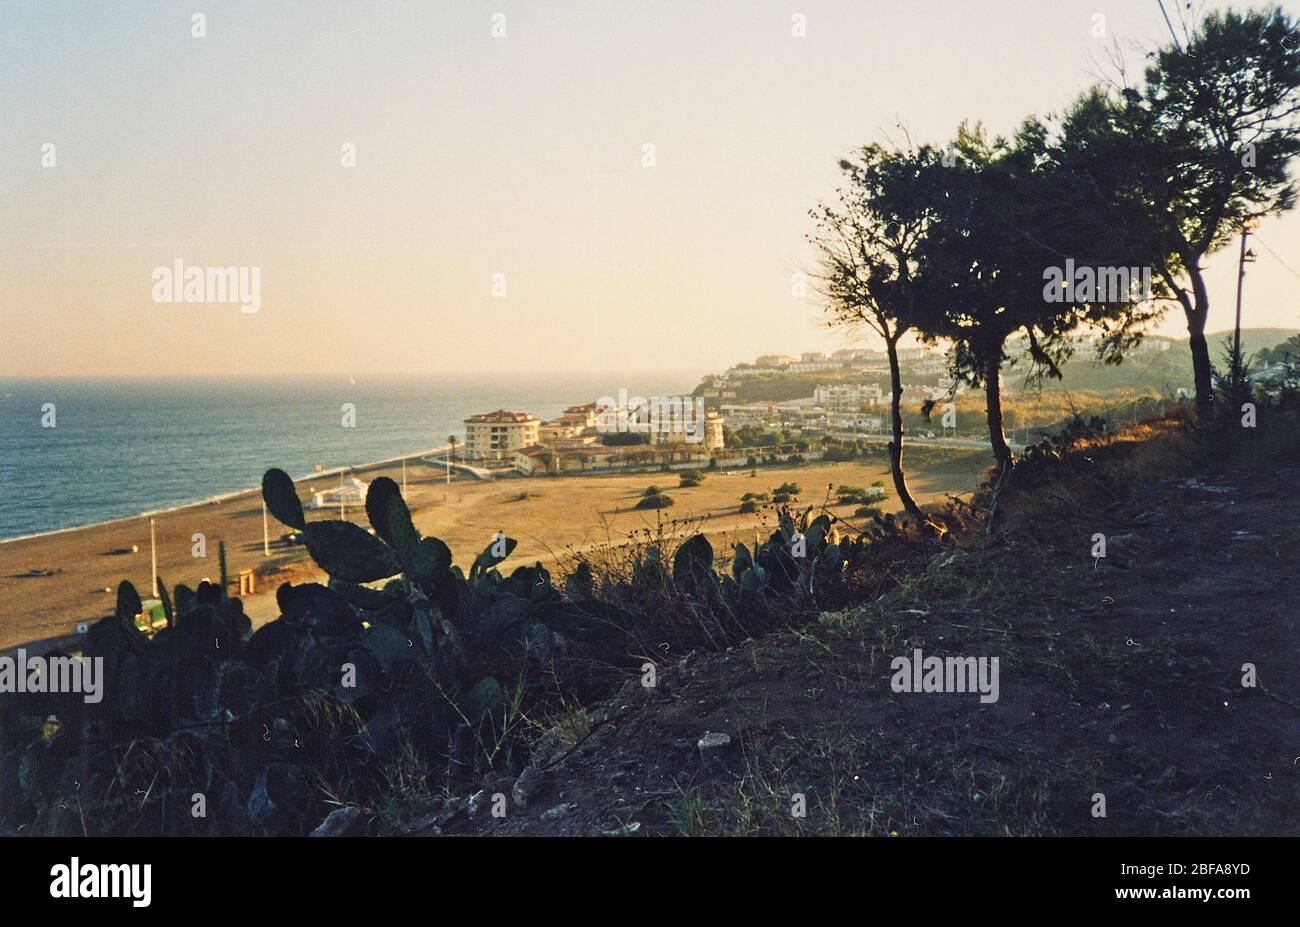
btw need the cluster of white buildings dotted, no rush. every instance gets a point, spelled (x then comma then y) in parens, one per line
(848, 397)
(838, 408)
(682, 431)
(674, 432)
(858, 360)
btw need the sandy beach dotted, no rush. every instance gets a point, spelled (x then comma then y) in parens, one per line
(549, 516)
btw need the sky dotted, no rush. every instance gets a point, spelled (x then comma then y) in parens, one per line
(504, 212)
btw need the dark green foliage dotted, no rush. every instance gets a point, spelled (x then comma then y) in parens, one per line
(389, 515)
(166, 600)
(694, 555)
(128, 602)
(657, 500)
(493, 554)
(281, 498)
(436, 667)
(623, 438)
(689, 478)
(349, 552)
(854, 495)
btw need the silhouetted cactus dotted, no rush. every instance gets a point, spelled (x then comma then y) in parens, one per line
(351, 676)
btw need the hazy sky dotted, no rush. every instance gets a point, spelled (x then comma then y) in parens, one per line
(477, 155)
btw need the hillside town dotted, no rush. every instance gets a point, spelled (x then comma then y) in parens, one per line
(690, 431)
(847, 400)
(596, 436)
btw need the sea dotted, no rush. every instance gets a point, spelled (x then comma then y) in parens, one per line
(122, 447)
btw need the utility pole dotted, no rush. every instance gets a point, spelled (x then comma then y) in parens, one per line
(153, 560)
(1247, 257)
(266, 538)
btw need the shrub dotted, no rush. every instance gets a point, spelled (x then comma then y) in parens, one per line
(748, 506)
(354, 687)
(656, 501)
(623, 438)
(855, 495)
(691, 478)
(790, 489)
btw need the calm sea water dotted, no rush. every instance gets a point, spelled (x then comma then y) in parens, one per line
(122, 447)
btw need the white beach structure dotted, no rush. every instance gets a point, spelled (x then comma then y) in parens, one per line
(351, 492)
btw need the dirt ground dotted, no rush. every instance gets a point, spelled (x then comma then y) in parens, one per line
(549, 516)
(1121, 690)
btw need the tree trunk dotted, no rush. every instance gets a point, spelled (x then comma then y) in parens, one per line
(896, 445)
(993, 410)
(1196, 314)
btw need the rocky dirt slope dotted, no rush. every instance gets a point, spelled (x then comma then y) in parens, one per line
(1120, 677)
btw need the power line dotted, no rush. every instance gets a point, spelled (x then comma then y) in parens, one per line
(1169, 24)
(1293, 271)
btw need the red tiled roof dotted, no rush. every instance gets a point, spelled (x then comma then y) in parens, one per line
(501, 415)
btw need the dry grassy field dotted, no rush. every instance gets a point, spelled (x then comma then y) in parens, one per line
(549, 516)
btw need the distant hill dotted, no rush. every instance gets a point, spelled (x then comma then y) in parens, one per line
(1150, 369)
(1252, 339)
(1161, 371)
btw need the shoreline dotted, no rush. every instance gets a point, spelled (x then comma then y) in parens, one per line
(221, 497)
(551, 520)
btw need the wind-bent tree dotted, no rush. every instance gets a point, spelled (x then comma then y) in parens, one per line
(1012, 218)
(867, 245)
(983, 270)
(1210, 136)
(1093, 214)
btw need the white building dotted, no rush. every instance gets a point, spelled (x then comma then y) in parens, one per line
(867, 424)
(497, 435)
(351, 492)
(847, 398)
